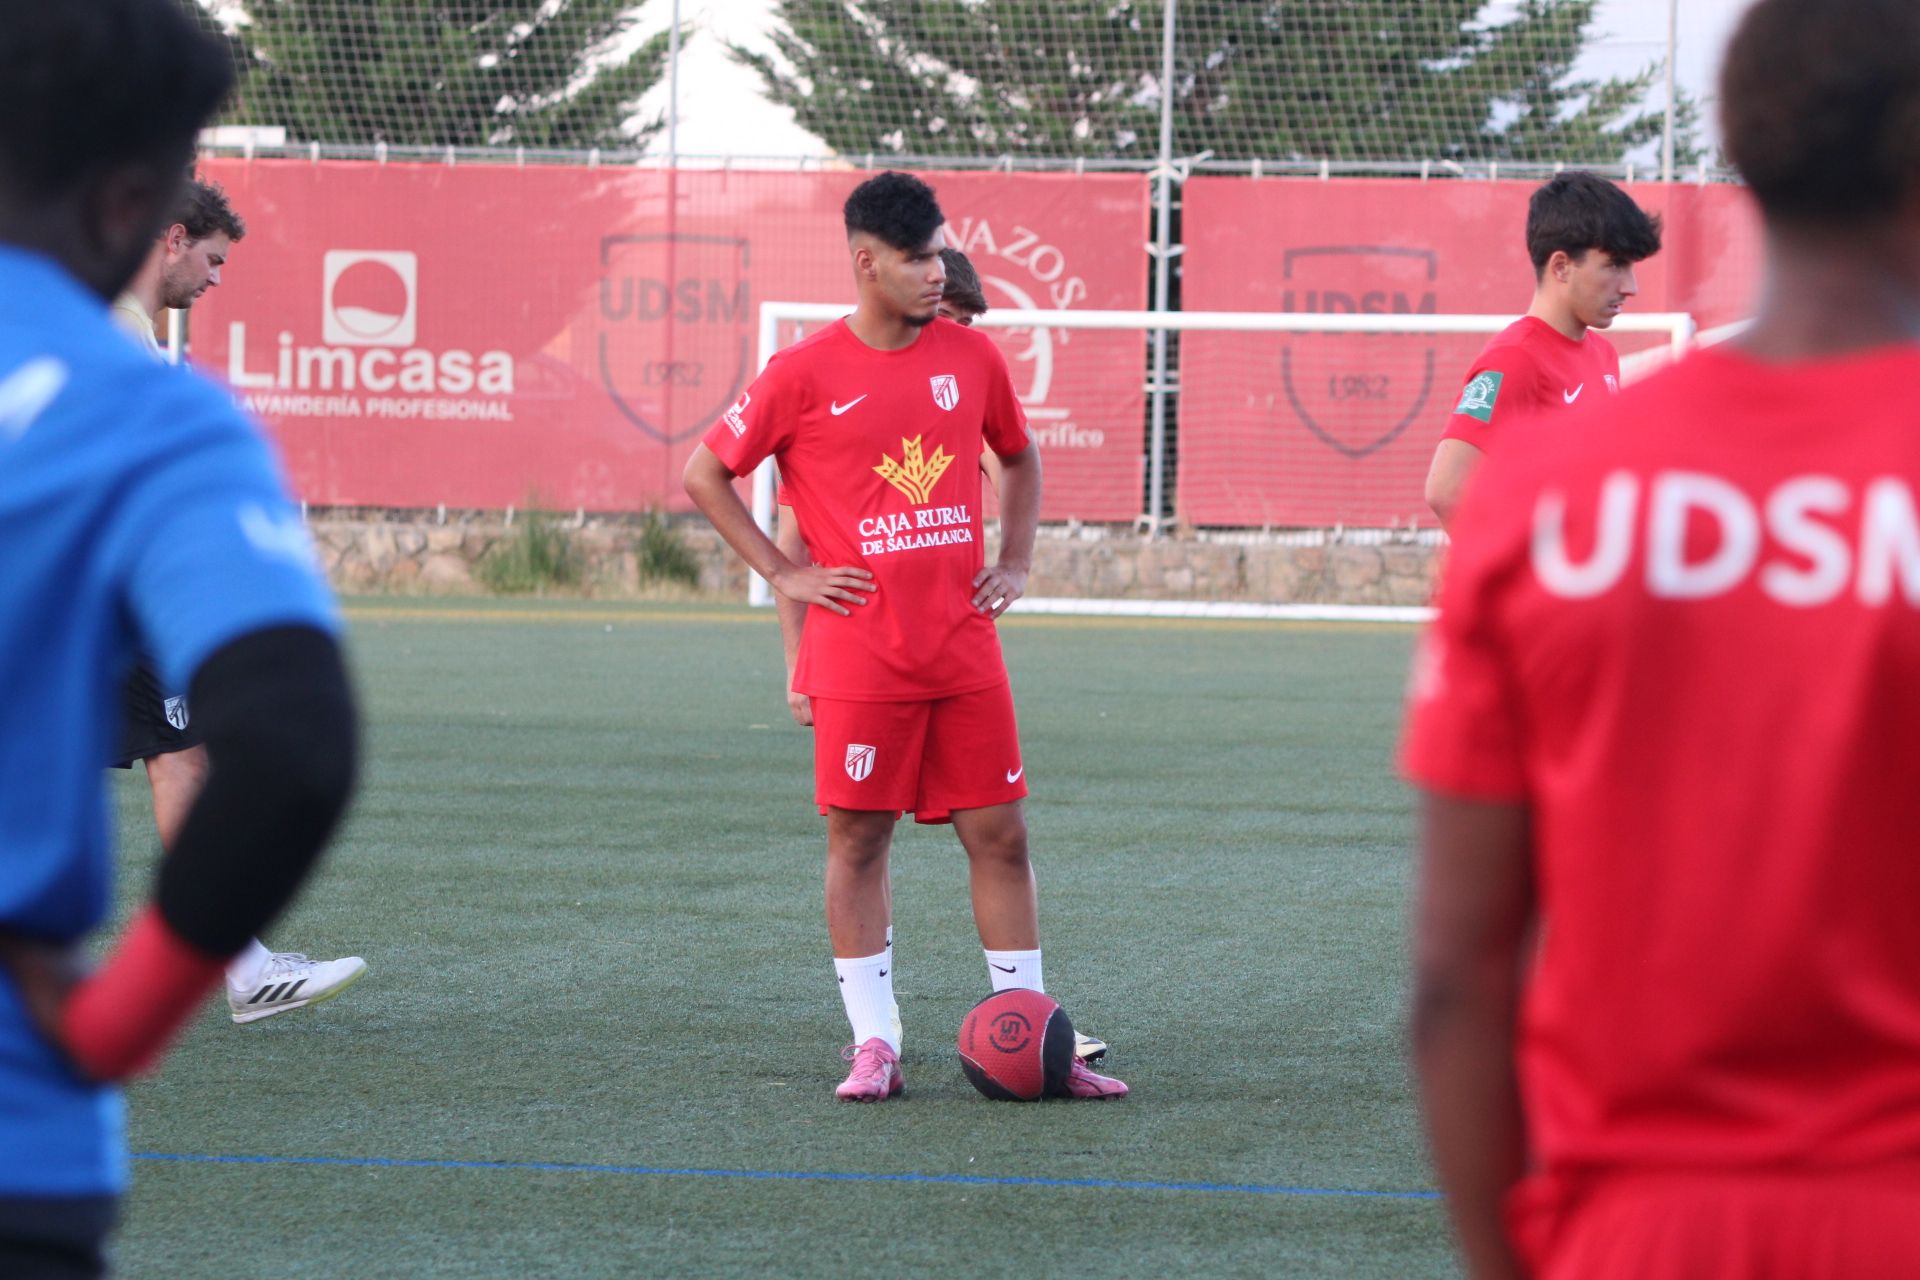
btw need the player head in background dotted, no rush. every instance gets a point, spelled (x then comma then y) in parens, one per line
(99, 106)
(1820, 111)
(894, 234)
(1584, 235)
(186, 261)
(962, 299)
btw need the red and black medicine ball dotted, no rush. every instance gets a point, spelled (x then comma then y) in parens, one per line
(1017, 1046)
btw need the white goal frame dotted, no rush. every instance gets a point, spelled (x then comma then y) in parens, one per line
(1677, 325)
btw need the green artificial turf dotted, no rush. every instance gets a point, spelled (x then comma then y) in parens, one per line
(585, 870)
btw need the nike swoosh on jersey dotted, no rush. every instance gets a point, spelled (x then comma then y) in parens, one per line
(839, 408)
(1571, 396)
(1013, 775)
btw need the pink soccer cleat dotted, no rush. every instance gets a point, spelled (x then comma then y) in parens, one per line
(876, 1073)
(1084, 1082)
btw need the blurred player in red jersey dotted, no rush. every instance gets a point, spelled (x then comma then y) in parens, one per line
(1668, 725)
(899, 658)
(1584, 235)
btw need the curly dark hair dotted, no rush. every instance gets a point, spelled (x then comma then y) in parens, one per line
(963, 283)
(1578, 211)
(896, 207)
(1820, 108)
(203, 209)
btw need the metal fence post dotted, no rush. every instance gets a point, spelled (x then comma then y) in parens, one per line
(1162, 276)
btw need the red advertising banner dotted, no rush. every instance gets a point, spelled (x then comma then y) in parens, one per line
(1328, 429)
(491, 335)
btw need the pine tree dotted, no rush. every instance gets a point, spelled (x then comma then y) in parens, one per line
(447, 73)
(1271, 79)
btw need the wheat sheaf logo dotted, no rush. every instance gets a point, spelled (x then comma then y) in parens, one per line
(915, 475)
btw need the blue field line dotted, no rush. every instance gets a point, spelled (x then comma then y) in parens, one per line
(785, 1175)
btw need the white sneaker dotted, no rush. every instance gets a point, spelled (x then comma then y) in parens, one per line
(288, 980)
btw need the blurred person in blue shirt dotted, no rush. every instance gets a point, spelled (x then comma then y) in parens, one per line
(139, 512)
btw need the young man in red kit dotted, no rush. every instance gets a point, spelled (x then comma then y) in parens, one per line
(876, 422)
(1584, 234)
(1667, 1014)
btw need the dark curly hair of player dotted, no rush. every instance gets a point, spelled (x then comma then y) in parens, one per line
(1578, 211)
(203, 209)
(895, 207)
(963, 283)
(1820, 108)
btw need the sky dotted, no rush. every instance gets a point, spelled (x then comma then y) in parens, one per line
(1630, 34)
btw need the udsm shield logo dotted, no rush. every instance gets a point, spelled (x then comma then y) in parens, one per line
(1357, 392)
(675, 319)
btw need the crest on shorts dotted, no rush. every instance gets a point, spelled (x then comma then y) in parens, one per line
(859, 761)
(946, 390)
(176, 711)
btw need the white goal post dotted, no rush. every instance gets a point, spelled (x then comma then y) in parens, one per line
(1677, 326)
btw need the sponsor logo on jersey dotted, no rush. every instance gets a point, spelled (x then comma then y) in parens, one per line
(946, 390)
(839, 408)
(859, 761)
(915, 475)
(1571, 396)
(735, 422)
(1478, 399)
(176, 712)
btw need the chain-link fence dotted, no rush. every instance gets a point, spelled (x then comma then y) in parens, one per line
(1429, 87)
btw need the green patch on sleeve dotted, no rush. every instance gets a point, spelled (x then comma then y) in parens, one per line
(1482, 391)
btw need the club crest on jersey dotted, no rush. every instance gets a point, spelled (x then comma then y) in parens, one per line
(176, 712)
(946, 390)
(859, 761)
(1613, 384)
(915, 475)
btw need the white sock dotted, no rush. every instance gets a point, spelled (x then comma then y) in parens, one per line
(1010, 969)
(866, 988)
(245, 967)
(897, 1040)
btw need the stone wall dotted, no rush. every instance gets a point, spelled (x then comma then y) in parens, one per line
(434, 552)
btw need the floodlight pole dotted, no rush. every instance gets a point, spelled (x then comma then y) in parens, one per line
(1162, 275)
(1673, 47)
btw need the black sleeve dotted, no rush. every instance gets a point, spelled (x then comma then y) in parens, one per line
(281, 742)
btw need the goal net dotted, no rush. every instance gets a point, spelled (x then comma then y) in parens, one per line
(1277, 427)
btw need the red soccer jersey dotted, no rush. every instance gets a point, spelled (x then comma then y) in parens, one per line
(879, 453)
(1528, 368)
(1684, 629)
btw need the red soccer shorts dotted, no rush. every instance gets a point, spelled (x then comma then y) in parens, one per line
(1841, 1224)
(930, 758)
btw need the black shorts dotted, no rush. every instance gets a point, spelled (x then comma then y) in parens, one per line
(57, 1238)
(154, 722)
